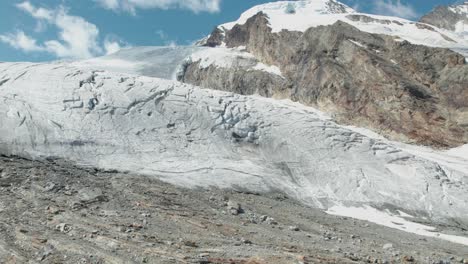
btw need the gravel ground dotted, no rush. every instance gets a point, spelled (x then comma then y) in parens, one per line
(55, 212)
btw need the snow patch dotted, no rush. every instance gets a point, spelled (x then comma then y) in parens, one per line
(231, 58)
(461, 152)
(405, 215)
(460, 27)
(357, 43)
(460, 9)
(385, 218)
(270, 69)
(222, 57)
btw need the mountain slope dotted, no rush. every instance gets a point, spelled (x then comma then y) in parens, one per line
(408, 92)
(164, 224)
(314, 13)
(453, 18)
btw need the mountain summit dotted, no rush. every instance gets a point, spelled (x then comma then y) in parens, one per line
(453, 17)
(399, 77)
(304, 14)
(296, 15)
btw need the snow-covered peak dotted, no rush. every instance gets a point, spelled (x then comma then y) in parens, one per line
(304, 14)
(286, 14)
(453, 18)
(461, 9)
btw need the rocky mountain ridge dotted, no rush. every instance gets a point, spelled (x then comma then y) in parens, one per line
(453, 17)
(408, 92)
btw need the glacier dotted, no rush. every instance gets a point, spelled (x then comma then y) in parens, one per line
(196, 137)
(166, 62)
(125, 111)
(161, 62)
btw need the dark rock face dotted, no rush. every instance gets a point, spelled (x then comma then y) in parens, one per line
(239, 81)
(445, 17)
(408, 92)
(335, 7)
(368, 19)
(215, 38)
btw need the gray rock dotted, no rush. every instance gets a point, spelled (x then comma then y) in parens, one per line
(387, 246)
(246, 241)
(63, 227)
(233, 207)
(91, 195)
(271, 221)
(45, 252)
(444, 17)
(49, 186)
(424, 88)
(294, 228)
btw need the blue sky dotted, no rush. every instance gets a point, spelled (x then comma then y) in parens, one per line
(41, 30)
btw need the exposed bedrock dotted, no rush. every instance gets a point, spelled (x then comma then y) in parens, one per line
(447, 17)
(237, 80)
(408, 92)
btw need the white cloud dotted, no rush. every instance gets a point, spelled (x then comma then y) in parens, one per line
(130, 6)
(38, 13)
(110, 4)
(77, 38)
(394, 8)
(112, 44)
(171, 43)
(20, 40)
(111, 47)
(41, 26)
(164, 37)
(161, 34)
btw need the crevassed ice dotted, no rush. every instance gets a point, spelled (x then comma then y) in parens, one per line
(194, 137)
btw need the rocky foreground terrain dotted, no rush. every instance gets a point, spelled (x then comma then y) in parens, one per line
(55, 212)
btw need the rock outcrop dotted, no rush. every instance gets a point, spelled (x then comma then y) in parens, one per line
(409, 92)
(453, 17)
(238, 80)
